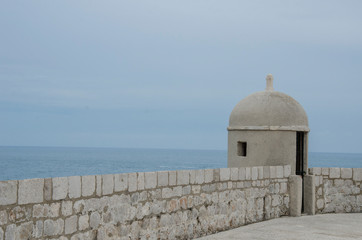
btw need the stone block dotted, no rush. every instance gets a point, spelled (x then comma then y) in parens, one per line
(95, 220)
(334, 173)
(172, 178)
(273, 171)
(320, 203)
(60, 188)
(315, 171)
(70, 224)
(31, 191)
(242, 173)
(48, 193)
(200, 176)
(254, 173)
(107, 184)
(53, 227)
(132, 182)
(38, 229)
(325, 171)
(8, 192)
(99, 185)
(309, 194)
(83, 222)
(10, 233)
(88, 185)
(140, 181)
(266, 172)
(247, 173)
(260, 173)
(1, 233)
(216, 175)
(346, 173)
(162, 179)
(192, 176)
(209, 175)
(234, 174)
(183, 177)
(357, 174)
(150, 180)
(280, 172)
(3, 217)
(287, 171)
(295, 183)
(46, 210)
(75, 190)
(120, 182)
(224, 174)
(67, 207)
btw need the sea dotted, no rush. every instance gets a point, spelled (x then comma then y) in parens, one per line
(18, 163)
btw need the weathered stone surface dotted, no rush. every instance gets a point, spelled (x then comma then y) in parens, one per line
(234, 174)
(209, 175)
(99, 185)
(107, 184)
(120, 182)
(357, 174)
(132, 182)
(183, 177)
(48, 193)
(140, 181)
(60, 188)
(280, 172)
(172, 178)
(242, 173)
(53, 227)
(3, 217)
(88, 185)
(95, 220)
(10, 233)
(70, 225)
(346, 172)
(75, 189)
(334, 173)
(46, 210)
(83, 222)
(254, 173)
(287, 171)
(8, 192)
(325, 171)
(224, 174)
(150, 180)
(1, 234)
(31, 191)
(273, 171)
(162, 179)
(67, 208)
(260, 173)
(38, 229)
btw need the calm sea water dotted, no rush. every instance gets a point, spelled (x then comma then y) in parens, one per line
(43, 162)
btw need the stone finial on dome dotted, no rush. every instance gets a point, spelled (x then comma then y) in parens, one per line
(269, 82)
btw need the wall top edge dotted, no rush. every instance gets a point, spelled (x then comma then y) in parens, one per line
(270, 128)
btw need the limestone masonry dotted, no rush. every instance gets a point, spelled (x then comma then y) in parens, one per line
(182, 204)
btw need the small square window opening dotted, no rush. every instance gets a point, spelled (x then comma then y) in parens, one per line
(242, 149)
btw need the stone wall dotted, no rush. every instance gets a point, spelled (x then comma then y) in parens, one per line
(167, 205)
(337, 190)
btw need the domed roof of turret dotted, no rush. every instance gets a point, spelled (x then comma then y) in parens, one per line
(268, 110)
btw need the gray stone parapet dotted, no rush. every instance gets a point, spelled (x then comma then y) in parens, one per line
(165, 205)
(337, 190)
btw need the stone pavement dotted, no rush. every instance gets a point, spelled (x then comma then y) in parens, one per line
(324, 226)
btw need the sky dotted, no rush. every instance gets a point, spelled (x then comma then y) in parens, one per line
(167, 74)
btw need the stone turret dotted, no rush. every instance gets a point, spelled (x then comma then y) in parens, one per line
(268, 128)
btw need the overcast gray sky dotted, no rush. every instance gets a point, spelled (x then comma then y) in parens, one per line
(167, 74)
